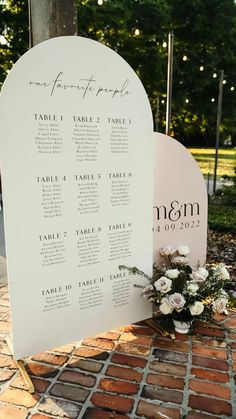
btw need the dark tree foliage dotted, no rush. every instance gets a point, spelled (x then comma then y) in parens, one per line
(204, 32)
(14, 31)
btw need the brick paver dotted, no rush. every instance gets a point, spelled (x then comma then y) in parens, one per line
(132, 372)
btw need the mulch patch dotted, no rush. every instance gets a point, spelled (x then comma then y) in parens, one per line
(221, 248)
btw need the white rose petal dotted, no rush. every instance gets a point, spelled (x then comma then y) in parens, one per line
(224, 294)
(192, 288)
(177, 300)
(167, 251)
(148, 289)
(219, 305)
(165, 306)
(163, 284)
(203, 272)
(183, 250)
(179, 260)
(222, 272)
(172, 273)
(197, 308)
(195, 276)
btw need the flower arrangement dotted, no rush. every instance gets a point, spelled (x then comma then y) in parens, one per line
(185, 293)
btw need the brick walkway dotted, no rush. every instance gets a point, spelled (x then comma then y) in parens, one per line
(130, 372)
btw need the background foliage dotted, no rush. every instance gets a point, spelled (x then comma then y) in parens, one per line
(204, 31)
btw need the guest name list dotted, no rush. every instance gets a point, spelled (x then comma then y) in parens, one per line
(83, 159)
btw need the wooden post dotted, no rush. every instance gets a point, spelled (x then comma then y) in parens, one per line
(219, 113)
(169, 81)
(51, 18)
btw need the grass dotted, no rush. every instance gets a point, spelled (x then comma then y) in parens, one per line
(206, 160)
(222, 206)
(222, 218)
(222, 210)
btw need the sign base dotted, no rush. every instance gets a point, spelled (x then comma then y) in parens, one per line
(21, 367)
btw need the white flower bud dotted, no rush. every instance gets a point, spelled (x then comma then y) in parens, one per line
(197, 308)
(183, 250)
(163, 284)
(172, 273)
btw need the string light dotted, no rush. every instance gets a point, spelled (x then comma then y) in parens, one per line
(232, 88)
(212, 99)
(201, 68)
(100, 2)
(186, 100)
(185, 58)
(214, 76)
(164, 44)
(162, 101)
(137, 32)
(224, 81)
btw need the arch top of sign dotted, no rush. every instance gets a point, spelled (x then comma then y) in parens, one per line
(72, 65)
(176, 147)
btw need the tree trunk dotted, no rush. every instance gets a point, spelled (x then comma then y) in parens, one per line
(51, 18)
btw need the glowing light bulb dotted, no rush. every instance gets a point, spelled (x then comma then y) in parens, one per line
(224, 81)
(164, 44)
(212, 99)
(162, 101)
(185, 58)
(214, 76)
(232, 88)
(201, 68)
(137, 32)
(186, 100)
(100, 2)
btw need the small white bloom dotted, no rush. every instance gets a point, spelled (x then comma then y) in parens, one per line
(148, 292)
(177, 300)
(183, 250)
(197, 308)
(195, 276)
(167, 251)
(179, 260)
(219, 305)
(222, 272)
(165, 306)
(203, 272)
(172, 273)
(192, 288)
(148, 289)
(224, 294)
(163, 284)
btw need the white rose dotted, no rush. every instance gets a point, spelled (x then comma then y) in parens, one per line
(192, 288)
(224, 294)
(172, 273)
(165, 306)
(148, 289)
(163, 284)
(195, 276)
(222, 272)
(183, 250)
(167, 251)
(203, 272)
(197, 308)
(179, 260)
(219, 305)
(177, 300)
(148, 292)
